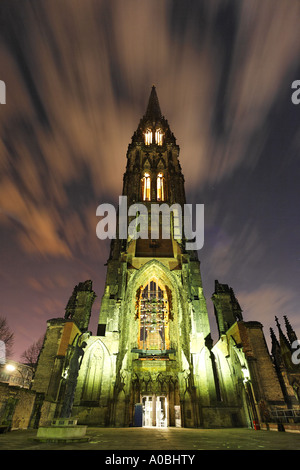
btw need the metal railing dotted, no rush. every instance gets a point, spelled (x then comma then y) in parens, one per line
(286, 416)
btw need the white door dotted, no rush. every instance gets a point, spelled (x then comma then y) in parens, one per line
(147, 410)
(161, 412)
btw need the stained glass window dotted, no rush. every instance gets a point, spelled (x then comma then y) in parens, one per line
(153, 317)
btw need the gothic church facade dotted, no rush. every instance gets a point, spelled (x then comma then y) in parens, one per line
(153, 361)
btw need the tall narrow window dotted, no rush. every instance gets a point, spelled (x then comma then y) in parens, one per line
(92, 383)
(148, 137)
(146, 187)
(160, 187)
(158, 137)
(153, 317)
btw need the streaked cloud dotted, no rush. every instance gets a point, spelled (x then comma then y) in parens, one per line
(78, 76)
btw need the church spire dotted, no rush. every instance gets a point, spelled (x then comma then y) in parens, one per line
(275, 344)
(153, 128)
(285, 347)
(153, 112)
(290, 332)
(282, 338)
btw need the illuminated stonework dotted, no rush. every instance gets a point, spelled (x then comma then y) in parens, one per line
(153, 361)
(153, 310)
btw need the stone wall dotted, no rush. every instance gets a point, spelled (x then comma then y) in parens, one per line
(16, 406)
(60, 333)
(265, 380)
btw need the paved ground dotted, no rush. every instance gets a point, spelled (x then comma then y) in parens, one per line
(168, 439)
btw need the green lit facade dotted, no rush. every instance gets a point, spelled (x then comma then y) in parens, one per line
(153, 361)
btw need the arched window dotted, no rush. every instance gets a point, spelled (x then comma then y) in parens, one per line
(146, 187)
(160, 187)
(153, 314)
(148, 137)
(93, 378)
(158, 137)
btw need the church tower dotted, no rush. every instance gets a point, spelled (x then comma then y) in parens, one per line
(152, 361)
(153, 309)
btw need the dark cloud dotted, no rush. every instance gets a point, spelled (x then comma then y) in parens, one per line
(78, 76)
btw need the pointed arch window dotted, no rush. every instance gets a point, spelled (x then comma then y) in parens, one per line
(153, 314)
(160, 187)
(146, 187)
(148, 137)
(158, 137)
(93, 377)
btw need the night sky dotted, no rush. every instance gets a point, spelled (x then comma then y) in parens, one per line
(78, 76)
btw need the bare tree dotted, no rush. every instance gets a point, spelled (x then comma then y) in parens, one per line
(31, 355)
(7, 336)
